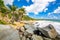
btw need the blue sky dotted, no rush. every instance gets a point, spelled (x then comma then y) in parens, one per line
(41, 9)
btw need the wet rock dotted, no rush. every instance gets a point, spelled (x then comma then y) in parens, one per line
(49, 31)
(8, 33)
(35, 37)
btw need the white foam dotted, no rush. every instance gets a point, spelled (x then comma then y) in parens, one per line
(42, 24)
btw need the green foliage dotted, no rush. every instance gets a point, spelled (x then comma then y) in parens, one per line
(22, 9)
(1, 3)
(2, 22)
(10, 15)
(2, 6)
(12, 7)
(16, 15)
(25, 17)
(3, 10)
(3, 15)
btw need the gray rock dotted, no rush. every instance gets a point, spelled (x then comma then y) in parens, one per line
(58, 36)
(26, 26)
(23, 38)
(49, 31)
(22, 29)
(30, 28)
(47, 38)
(27, 39)
(8, 33)
(35, 37)
(26, 33)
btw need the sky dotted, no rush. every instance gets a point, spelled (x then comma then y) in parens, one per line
(39, 9)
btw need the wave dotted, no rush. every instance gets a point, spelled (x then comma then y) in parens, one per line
(42, 24)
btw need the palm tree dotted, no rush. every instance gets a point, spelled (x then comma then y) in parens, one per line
(21, 13)
(2, 6)
(12, 11)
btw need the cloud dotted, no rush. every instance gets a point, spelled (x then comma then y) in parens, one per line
(28, 1)
(18, 0)
(51, 16)
(55, 17)
(37, 6)
(45, 9)
(57, 10)
(8, 2)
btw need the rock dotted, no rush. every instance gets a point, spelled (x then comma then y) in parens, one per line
(49, 31)
(22, 29)
(30, 28)
(27, 39)
(35, 37)
(8, 33)
(58, 36)
(23, 38)
(26, 26)
(26, 33)
(47, 38)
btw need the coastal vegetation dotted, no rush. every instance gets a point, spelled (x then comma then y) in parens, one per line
(11, 14)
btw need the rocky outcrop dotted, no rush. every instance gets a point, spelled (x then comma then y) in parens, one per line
(28, 32)
(49, 31)
(35, 37)
(8, 33)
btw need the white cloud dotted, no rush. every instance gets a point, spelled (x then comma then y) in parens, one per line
(38, 6)
(57, 10)
(49, 14)
(55, 17)
(45, 9)
(8, 2)
(27, 0)
(18, 0)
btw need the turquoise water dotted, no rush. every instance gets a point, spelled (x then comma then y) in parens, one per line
(54, 20)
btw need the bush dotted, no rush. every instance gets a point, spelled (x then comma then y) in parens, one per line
(2, 22)
(2, 14)
(9, 15)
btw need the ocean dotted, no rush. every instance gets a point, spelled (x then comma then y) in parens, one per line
(53, 20)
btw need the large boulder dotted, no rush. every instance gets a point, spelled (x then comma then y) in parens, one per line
(49, 31)
(29, 28)
(47, 38)
(35, 37)
(8, 33)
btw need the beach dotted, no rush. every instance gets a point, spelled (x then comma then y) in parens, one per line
(42, 24)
